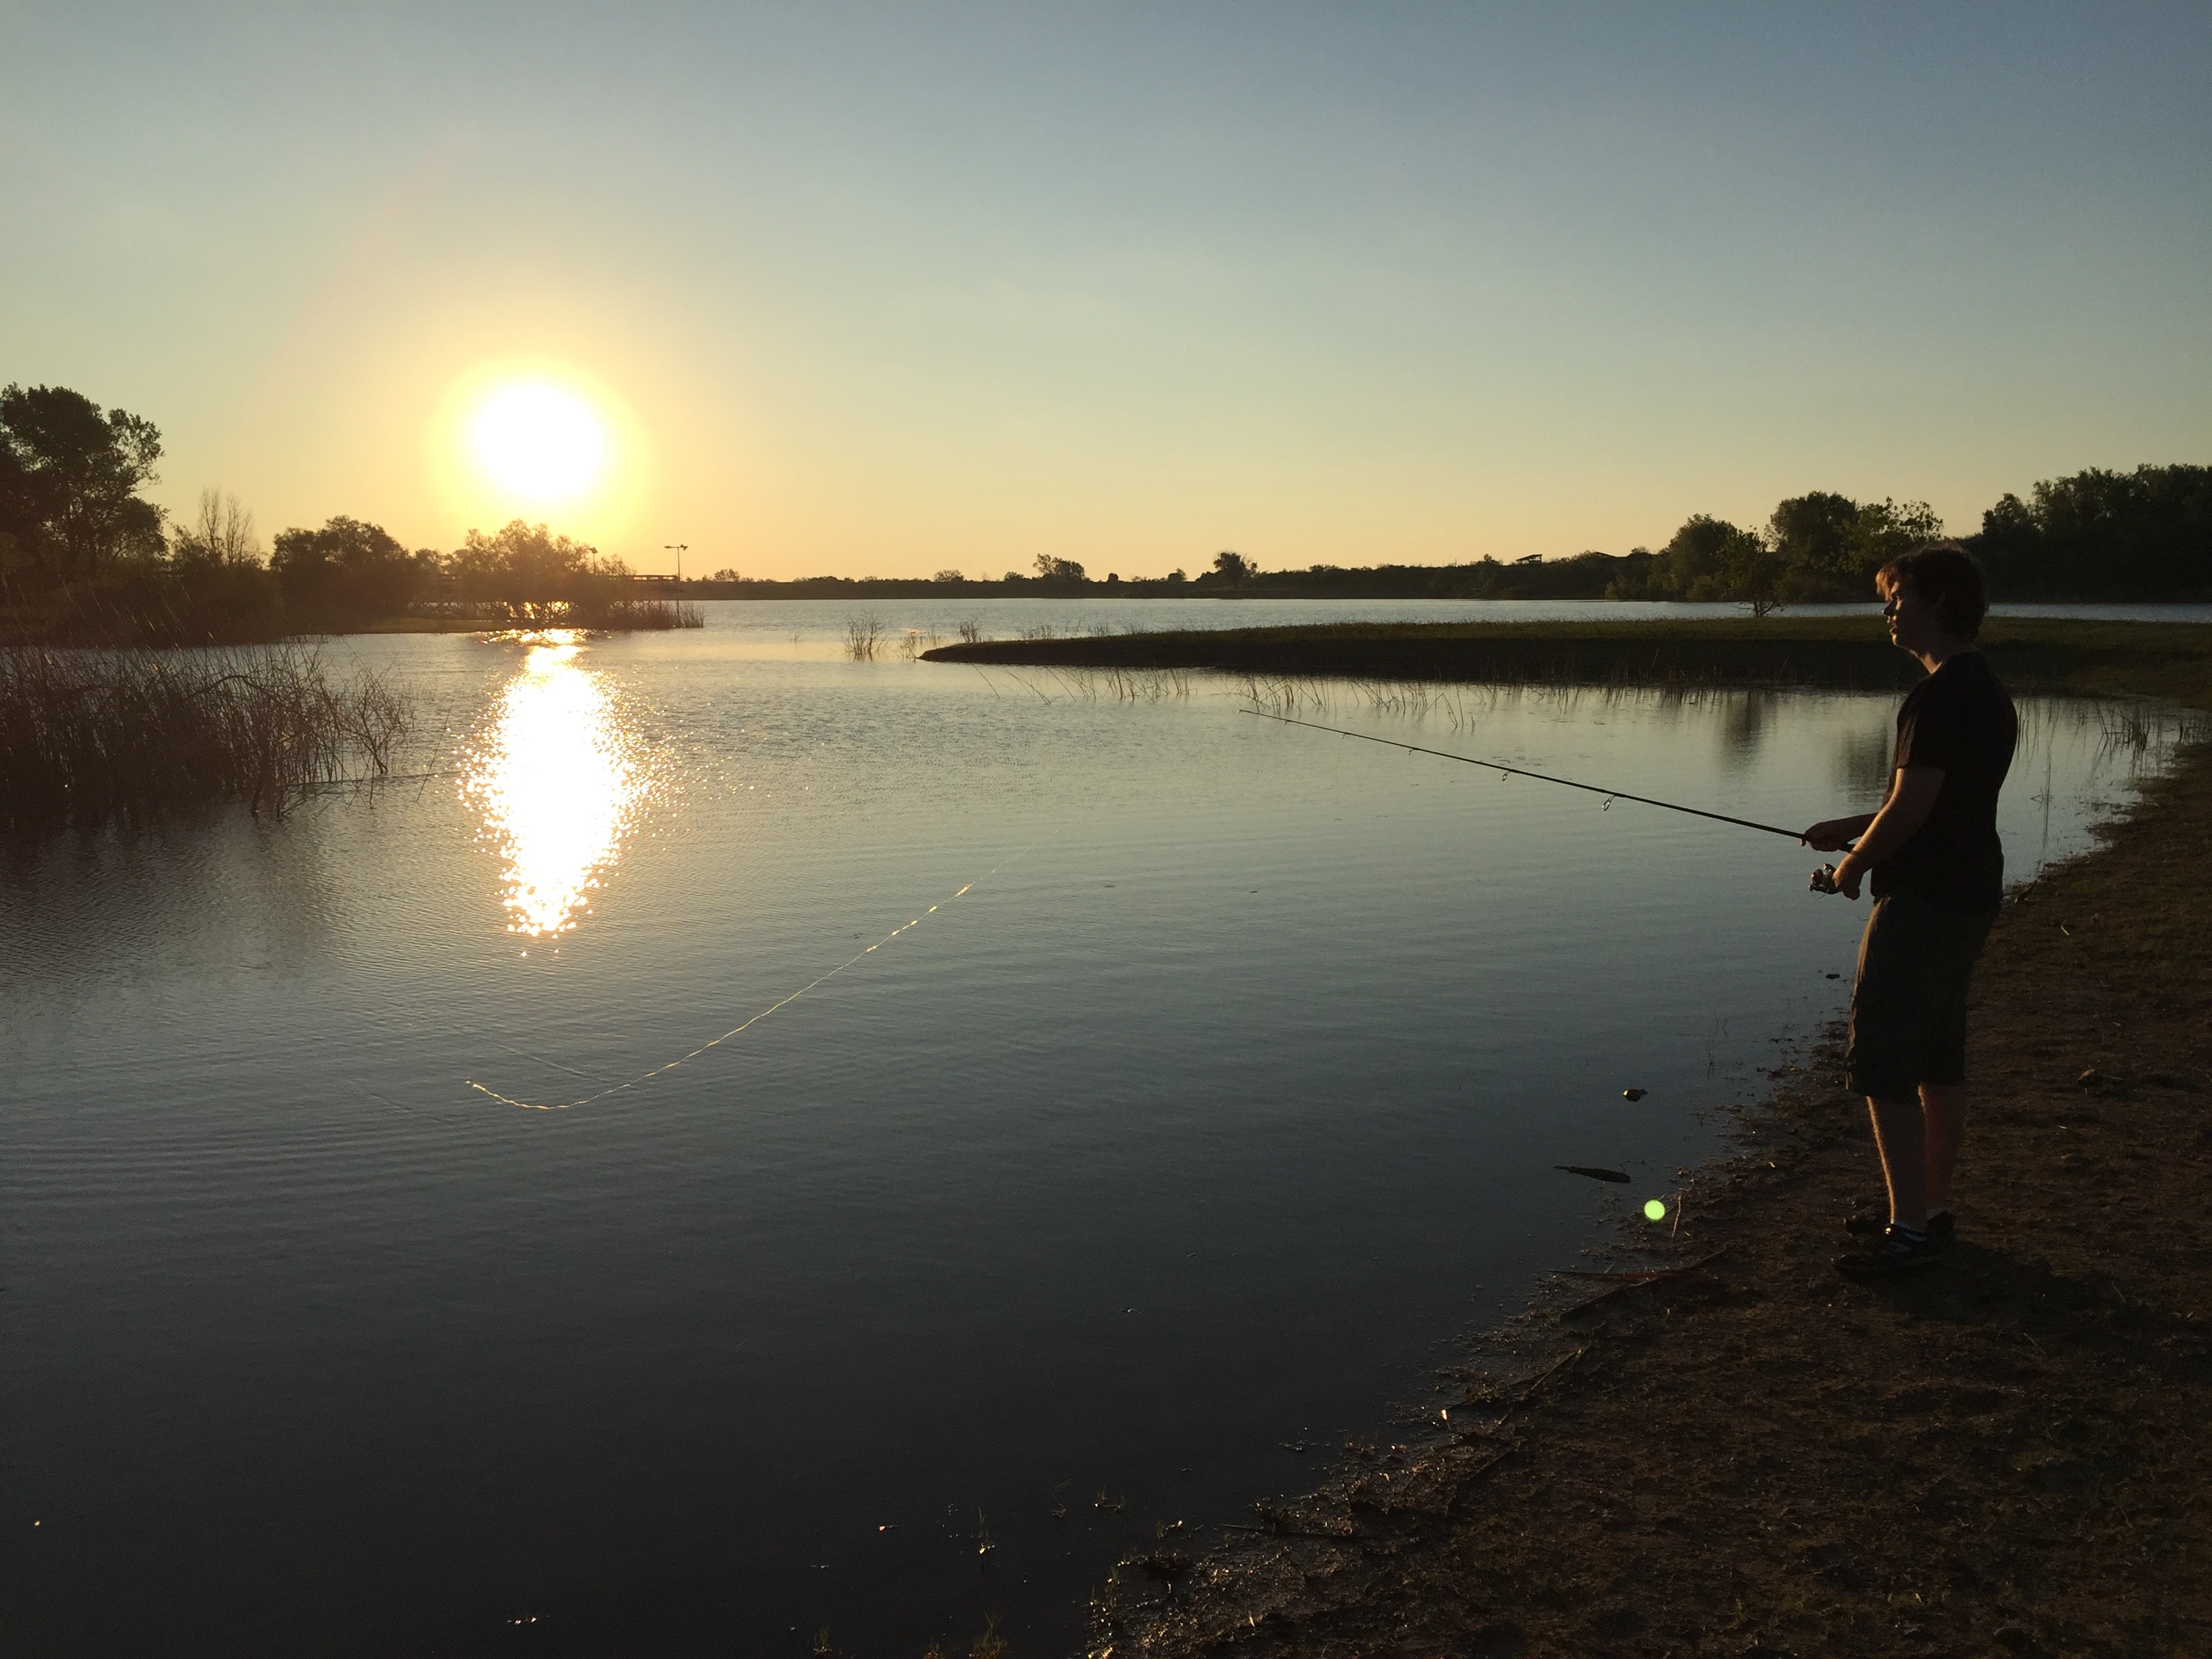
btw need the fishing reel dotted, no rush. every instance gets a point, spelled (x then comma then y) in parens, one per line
(1824, 879)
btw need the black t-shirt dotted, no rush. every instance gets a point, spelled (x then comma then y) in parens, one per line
(1958, 720)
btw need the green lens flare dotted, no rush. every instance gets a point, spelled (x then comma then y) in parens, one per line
(1653, 1210)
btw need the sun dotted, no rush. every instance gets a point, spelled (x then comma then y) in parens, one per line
(539, 441)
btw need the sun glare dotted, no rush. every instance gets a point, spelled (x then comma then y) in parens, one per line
(541, 442)
(556, 784)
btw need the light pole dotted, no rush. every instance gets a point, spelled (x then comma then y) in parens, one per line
(678, 548)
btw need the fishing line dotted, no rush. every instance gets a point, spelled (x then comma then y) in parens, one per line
(716, 1043)
(1611, 795)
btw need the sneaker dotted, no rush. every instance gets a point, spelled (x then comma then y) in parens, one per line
(1941, 1228)
(1894, 1254)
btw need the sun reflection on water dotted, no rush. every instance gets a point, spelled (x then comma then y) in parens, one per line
(556, 784)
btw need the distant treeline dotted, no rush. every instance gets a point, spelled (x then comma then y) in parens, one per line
(2140, 536)
(85, 559)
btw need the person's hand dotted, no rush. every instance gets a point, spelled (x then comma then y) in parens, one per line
(1848, 874)
(1829, 836)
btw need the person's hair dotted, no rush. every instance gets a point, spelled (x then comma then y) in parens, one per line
(1949, 577)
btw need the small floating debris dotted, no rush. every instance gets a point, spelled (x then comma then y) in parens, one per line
(2090, 1079)
(1634, 1094)
(1618, 1176)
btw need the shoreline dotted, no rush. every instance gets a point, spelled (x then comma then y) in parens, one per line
(1750, 1453)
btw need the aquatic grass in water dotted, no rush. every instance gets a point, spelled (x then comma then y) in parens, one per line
(1105, 685)
(913, 641)
(864, 637)
(624, 616)
(90, 735)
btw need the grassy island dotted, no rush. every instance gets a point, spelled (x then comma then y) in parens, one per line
(2167, 660)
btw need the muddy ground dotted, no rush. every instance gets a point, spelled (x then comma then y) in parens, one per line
(2010, 1455)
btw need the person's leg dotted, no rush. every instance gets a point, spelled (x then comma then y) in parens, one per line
(1943, 1107)
(1943, 1064)
(1886, 1034)
(1901, 1136)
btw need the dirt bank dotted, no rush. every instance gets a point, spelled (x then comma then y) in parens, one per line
(2010, 1456)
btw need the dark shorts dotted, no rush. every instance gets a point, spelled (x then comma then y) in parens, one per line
(1909, 1000)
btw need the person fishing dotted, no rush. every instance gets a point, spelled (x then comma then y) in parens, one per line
(1937, 869)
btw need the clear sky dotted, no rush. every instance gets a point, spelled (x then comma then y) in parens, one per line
(886, 289)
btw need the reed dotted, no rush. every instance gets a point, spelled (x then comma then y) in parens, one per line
(88, 735)
(913, 641)
(1105, 685)
(864, 637)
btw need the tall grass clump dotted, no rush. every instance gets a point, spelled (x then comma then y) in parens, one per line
(87, 736)
(645, 615)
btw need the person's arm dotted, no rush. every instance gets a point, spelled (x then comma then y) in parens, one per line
(1834, 834)
(1912, 798)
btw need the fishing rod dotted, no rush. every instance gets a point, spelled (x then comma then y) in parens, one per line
(1522, 772)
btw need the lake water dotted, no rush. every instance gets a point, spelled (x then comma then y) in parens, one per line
(1166, 1086)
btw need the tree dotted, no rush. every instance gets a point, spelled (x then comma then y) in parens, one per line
(1234, 568)
(2140, 535)
(534, 574)
(348, 568)
(1749, 569)
(221, 534)
(1882, 531)
(1642, 576)
(1813, 536)
(1064, 573)
(1692, 555)
(70, 478)
(1709, 559)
